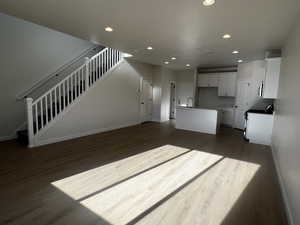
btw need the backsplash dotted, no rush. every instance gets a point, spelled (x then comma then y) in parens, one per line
(208, 98)
(262, 103)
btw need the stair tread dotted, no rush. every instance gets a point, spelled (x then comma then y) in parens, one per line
(22, 132)
(22, 137)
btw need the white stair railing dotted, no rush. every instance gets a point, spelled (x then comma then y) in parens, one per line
(45, 109)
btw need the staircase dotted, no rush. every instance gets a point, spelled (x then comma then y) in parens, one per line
(52, 105)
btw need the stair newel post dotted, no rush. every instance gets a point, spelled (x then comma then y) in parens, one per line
(87, 72)
(29, 121)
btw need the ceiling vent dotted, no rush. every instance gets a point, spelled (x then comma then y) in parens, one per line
(274, 53)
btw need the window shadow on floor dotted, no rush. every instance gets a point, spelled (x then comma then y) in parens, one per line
(26, 174)
(259, 203)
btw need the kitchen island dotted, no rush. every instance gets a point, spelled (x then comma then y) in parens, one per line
(197, 119)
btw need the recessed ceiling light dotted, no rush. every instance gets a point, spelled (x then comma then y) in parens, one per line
(109, 29)
(235, 52)
(149, 48)
(226, 36)
(166, 62)
(208, 2)
(240, 61)
(127, 55)
(188, 65)
(173, 58)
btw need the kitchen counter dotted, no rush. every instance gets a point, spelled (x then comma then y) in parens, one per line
(197, 119)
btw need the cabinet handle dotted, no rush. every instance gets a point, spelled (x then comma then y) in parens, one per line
(261, 89)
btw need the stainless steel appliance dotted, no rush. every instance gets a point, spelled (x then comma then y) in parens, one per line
(269, 109)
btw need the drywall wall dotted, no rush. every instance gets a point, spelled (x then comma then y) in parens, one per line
(112, 103)
(157, 93)
(185, 86)
(28, 52)
(162, 78)
(207, 97)
(286, 131)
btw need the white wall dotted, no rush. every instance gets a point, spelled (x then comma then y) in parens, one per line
(28, 52)
(113, 103)
(162, 79)
(208, 97)
(184, 86)
(157, 94)
(286, 131)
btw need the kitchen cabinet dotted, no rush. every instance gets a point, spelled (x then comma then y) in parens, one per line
(269, 87)
(259, 128)
(227, 84)
(197, 119)
(226, 116)
(208, 80)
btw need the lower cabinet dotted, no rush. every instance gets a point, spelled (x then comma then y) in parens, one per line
(259, 128)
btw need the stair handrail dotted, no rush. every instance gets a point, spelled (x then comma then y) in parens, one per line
(70, 75)
(47, 78)
(58, 84)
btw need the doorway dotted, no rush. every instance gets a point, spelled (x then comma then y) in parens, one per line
(241, 103)
(172, 101)
(146, 101)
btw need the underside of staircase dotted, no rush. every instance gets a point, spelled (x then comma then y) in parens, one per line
(49, 107)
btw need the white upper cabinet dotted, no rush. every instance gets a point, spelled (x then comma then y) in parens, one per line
(227, 84)
(208, 80)
(270, 86)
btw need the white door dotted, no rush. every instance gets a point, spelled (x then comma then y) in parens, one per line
(241, 103)
(146, 101)
(172, 101)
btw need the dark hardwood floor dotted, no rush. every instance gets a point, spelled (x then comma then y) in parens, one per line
(147, 174)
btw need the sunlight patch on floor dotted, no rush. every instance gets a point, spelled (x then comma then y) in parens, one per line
(209, 199)
(149, 185)
(83, 184)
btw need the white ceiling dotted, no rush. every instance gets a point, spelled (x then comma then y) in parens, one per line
(181, 28)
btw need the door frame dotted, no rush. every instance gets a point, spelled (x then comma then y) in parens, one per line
(175, 102)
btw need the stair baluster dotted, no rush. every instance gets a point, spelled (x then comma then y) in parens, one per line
(45, 109)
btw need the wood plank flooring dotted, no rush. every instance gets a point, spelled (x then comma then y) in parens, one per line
(148, 175)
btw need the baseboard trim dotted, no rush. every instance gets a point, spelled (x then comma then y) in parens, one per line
(156, 120)
(14, 135)
(282, 188)
(8, 138)
(87, 133)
